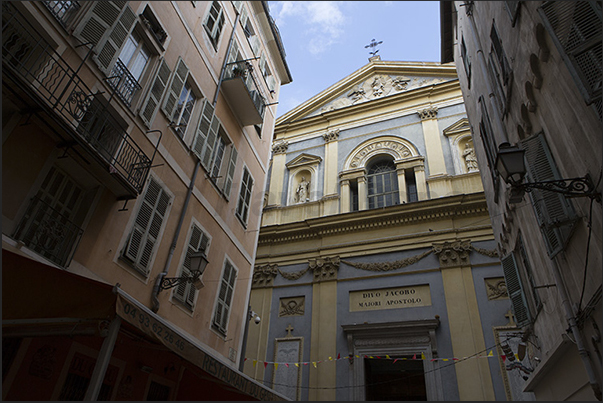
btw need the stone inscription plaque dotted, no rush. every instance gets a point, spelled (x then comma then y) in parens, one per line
(390, 298)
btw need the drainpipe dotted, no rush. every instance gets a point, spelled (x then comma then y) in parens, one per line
(571, 318)
(191, 186)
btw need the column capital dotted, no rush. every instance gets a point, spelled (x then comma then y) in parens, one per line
(428, 113)
(331, 135)
(263, 276)
(280, 147)
(324, 269)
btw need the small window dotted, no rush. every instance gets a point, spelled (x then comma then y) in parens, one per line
(225, 293)
(152, 24)
(244, 197)
(214, 23)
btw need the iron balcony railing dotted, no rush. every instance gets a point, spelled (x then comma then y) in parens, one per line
(244, 70)
(46, 231)
(123, 82)
(63, 11)
(59, 88)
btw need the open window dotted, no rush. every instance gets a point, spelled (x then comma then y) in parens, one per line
(214, 23)
(186, 292)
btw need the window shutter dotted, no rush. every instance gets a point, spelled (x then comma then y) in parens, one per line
(554, 212)
(262, 63)
(210, 144)
(202, 131)
(255, 44)
(224, 298)
(147, 226)
(175, 88)
(149, 108)
(109, 50)
(231, 169)
(575, 27)
(244, 196)
(515, 291)
(244, 19)
(102, 17)
(271, 83)
(234, 50)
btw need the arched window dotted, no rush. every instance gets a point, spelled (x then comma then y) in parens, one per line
(382, 184)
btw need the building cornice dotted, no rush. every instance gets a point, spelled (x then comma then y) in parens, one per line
(366, 220)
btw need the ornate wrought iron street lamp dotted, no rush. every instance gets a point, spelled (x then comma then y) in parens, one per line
(510, 164)
(198, 263)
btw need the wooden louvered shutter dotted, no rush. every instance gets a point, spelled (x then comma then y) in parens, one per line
(210, 144)
(230, 173)
(175, 88)
(149, 108)
(102, 17)
(575, 27)
(244, 19)
(225, 298)
(515, 291)
(554, 212)
(110, 50)
(147, 226)
(202, 131)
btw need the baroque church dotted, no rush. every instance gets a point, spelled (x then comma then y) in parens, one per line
(377, 275)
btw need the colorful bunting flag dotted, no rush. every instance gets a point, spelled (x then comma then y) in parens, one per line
(422, 356)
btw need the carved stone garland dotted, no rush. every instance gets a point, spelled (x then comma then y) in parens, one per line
(450, 254)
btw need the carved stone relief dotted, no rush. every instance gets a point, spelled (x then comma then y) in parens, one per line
(292, 306)
(496, 288)
(331, 135)
(399, 149)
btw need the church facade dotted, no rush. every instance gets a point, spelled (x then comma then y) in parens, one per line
(376, 274)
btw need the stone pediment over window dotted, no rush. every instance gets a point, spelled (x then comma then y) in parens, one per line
(460, 127)
(303, 159)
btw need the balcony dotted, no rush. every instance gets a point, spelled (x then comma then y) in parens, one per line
(48, 232)
(243, 93)
(123, 82)
(63, 11)
(41, 82)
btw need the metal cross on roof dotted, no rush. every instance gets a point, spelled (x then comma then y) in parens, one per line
(372, 45)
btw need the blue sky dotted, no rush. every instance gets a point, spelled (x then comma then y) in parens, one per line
(325, 40)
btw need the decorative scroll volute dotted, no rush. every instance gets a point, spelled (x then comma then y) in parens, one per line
(263, 276)
(453, 253)
(324, 269)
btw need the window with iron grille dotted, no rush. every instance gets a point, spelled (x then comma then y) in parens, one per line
(382, 185)
(575, 27)
(214, 22)
(186, 292)
(63, 11)
(225, 293)
(148, 227)
(158, 392)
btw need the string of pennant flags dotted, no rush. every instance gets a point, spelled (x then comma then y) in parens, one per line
(386, 357)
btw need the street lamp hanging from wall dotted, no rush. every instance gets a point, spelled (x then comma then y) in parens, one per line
(510, 164)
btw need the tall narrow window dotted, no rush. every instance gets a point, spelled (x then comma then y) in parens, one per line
(197, 242)
(382, 185)
(466, 61)
(515, 290)
(223, 305)
(411, 185)
(184, 109)
(129, 67)
(244, 197)
(147, 227)
(214, 23)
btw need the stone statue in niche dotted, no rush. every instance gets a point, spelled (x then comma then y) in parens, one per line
(302, 190)
(470, 158)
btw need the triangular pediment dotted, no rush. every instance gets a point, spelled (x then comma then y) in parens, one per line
(460, 126)
(303, 159)
(374, 81)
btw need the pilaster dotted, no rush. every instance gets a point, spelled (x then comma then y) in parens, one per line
(277, 179)
(433, 144)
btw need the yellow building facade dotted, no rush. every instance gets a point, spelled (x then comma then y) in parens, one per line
(376, 253)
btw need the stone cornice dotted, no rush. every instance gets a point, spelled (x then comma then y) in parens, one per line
(366, 220)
